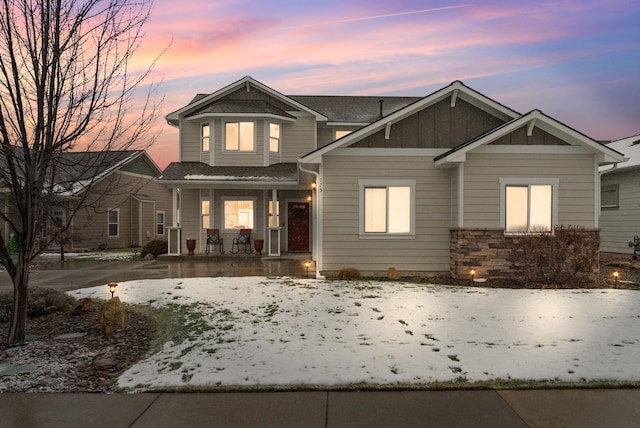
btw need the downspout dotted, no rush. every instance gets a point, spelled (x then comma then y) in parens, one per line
(316, 251)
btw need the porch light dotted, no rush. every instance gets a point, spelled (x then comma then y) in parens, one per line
(313, 184)
(112, 288)
(309, 198)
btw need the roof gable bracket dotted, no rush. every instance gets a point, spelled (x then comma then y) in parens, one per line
(530, 126)
(248, 86)
(387, 131)
(454, 97)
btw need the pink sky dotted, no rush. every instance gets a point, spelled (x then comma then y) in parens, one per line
(577, 61)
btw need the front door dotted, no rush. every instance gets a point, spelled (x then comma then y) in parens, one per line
(298, 215)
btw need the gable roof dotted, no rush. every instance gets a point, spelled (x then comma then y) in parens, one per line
(532, 119)
(201, 101)
(454, 90)
(630, 147)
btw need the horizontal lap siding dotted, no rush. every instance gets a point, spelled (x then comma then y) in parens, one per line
(619, 225)
(343, 247)
(298, 138)
(575, 192)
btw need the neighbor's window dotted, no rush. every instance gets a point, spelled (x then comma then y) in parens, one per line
(238, 214)
(114, 221)
(342, 133)
(205, 137)
(239, 137)
(274, 138)
(205, 213)
(528, 205)
(387, 208)
(609, 196)
(159, 223)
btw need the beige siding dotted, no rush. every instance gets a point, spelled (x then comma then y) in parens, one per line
(619, 225)
(342, 247)
(298, 138)
(482, 185)
(91, 223)
(190, 141)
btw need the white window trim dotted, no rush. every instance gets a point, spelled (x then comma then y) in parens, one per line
(224, 137)
(528, 181)
(109, 235)
(164, 222)
(239, 199)
(364, 183)
(210, 214)
(202, 125)
(279, 138)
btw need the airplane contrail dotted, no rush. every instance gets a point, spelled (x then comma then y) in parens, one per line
(389, 15)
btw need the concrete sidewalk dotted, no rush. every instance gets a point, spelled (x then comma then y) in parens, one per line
(538, 408)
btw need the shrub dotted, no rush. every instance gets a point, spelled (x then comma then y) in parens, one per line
(569, 256)
(348, 274)
(41, 301)
(155, 248)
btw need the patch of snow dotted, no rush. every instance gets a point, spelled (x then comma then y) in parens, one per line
(283, 331)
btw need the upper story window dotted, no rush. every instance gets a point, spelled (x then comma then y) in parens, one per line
(205, 137)
(529, 204)
(274, 138)
(342, 133)
(239, 137)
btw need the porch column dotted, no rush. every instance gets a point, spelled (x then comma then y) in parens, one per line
(175, 197)
(273, 242)
(461, 194)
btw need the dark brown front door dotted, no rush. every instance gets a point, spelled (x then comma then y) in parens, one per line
(298, 226)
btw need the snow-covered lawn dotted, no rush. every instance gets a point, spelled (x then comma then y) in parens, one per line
(282, 331)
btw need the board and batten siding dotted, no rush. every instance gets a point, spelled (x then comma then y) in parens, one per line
(619, 225)
(342, 246)
(482, 173)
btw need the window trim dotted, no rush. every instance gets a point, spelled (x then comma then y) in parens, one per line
(238, 199)
(109, 223)
(202, 138)
(609, 187)
(164, 222)
(278, 138)
(224, 137)
(208, 215)
(528, 181)
(379, 183)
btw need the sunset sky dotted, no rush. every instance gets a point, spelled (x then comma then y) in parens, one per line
(577, 61)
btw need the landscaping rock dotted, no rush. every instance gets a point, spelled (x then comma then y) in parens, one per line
(82, 306)
(113, 316)
(392, 273)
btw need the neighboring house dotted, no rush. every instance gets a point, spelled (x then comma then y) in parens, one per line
(420, 184)
(620, 200)
(123, 207)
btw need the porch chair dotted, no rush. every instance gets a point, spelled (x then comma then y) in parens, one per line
(214, 240)
(244, 239)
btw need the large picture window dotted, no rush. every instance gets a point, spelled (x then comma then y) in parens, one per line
(528, 205)
(114, 223)
(238, 214)
(239, 137)
(387, 207)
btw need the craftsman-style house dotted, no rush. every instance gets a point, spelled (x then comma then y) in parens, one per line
(420, 184)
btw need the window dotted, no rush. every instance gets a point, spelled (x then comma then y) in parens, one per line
(159, 223)
(205, 136)
(274, 217)
(238, 214)
(609, 196)
(274, 138)
(239, 137)
(113, 222)
(342, 133)
(387, 208)
(528, 205)
(205, 213)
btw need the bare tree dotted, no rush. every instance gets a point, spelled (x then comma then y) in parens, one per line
(66, 85)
